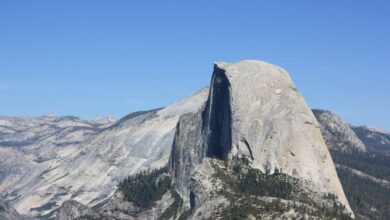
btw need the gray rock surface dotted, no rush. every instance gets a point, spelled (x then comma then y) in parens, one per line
(88, 170)
(71, 210)
(104, 121)
(14, 168)
(254, 110)
(9, 213)
(40, 138)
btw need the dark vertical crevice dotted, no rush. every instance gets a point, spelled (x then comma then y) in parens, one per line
(174, 151)
(219, 139)
(192, 200)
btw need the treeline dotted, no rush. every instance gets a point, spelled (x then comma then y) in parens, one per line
(257, 183)
(253, 182)
(246, 184)
(147, 187)
(365, 197)
(374, 164)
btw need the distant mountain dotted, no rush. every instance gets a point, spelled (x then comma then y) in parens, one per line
(337, 134)
(63, 158)
(30, 145)
(104, 121)
(377, 140)
(40, 138)
(362, 159)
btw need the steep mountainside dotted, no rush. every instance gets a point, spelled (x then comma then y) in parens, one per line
(89, 171)
(253, 111)
(362, 165)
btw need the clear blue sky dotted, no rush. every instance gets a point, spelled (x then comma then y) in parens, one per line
(88, 58)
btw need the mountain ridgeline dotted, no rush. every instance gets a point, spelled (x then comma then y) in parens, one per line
(246, 147)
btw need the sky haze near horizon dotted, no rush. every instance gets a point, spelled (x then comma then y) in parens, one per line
(89, 58)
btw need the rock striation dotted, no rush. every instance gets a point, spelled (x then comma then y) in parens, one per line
(253, 110)
(9, 213)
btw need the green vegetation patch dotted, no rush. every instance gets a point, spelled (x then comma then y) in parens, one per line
(371, 163)
(147, 187)
(245, 188)
(185, 214)
(171, 211)
(366, 197)
(242, 178)
(278, 185)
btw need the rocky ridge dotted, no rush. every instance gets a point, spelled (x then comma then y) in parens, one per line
(337, 134)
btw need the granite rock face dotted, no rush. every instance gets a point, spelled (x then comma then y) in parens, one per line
(9, 213)
(254, 110)
(187, 149)
(337, 134)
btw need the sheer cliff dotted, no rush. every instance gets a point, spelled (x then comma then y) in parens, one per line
(253, 111)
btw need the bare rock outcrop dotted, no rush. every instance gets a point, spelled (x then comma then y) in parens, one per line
(254, 110)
